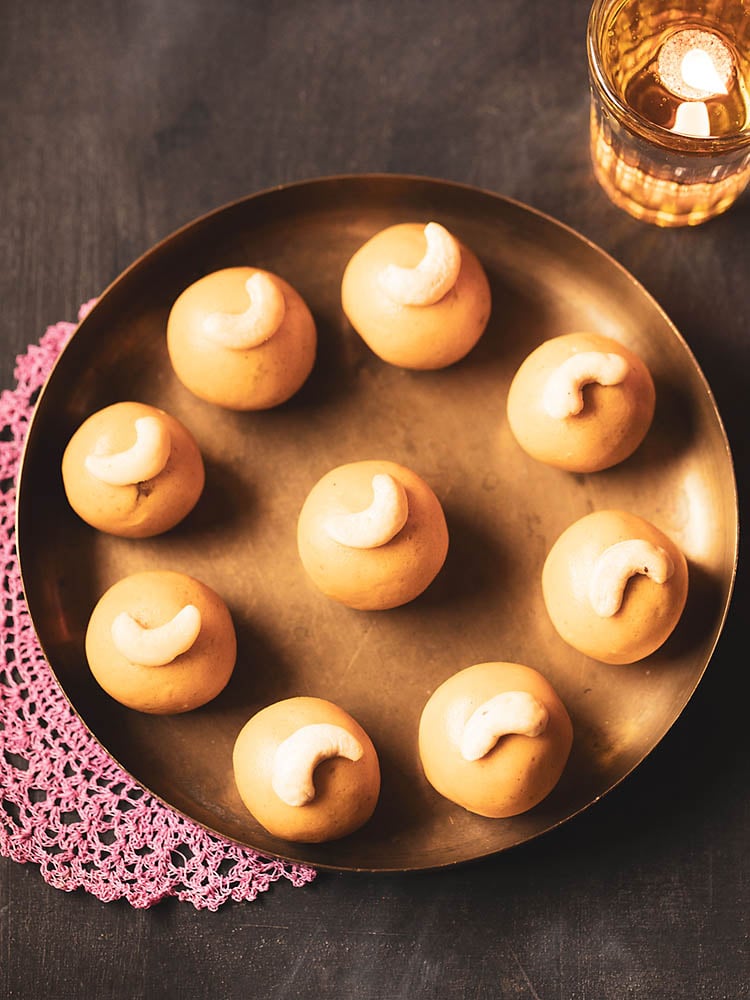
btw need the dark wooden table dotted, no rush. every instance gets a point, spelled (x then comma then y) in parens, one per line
(121, 122)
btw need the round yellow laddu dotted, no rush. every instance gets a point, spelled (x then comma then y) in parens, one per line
(414, 336)
(390, 574)
(140, 509)
(153, 598)
(575, 582)
(252, 378)
(519, 770)
(610, 426)
(344, 791)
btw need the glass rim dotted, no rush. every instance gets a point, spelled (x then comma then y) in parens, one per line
(648, 130)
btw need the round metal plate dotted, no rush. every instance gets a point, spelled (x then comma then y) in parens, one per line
(503, 509)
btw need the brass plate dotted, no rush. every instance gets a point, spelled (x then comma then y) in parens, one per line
(504, 511)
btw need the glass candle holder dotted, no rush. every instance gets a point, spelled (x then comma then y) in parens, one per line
(670, 109)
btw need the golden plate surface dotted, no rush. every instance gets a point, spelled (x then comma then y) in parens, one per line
(504, 511)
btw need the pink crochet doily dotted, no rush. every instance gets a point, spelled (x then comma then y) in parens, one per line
(64, 803)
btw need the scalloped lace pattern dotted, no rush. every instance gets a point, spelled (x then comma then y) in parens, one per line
(64, 803)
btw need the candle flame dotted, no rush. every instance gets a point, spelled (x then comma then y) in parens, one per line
(698, 71)
(692, 119)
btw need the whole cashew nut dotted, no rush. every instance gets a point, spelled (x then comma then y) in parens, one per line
(155, 647)
(376, 524)
(257, 324)
(432, 278)
(144, 460)
(563, 395)
(298, 756)
(509, 712)
(617, 564)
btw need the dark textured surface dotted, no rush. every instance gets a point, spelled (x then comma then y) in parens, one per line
(122, 122)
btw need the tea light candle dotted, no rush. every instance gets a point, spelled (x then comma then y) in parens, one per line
(695, 65)
(670, 113)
